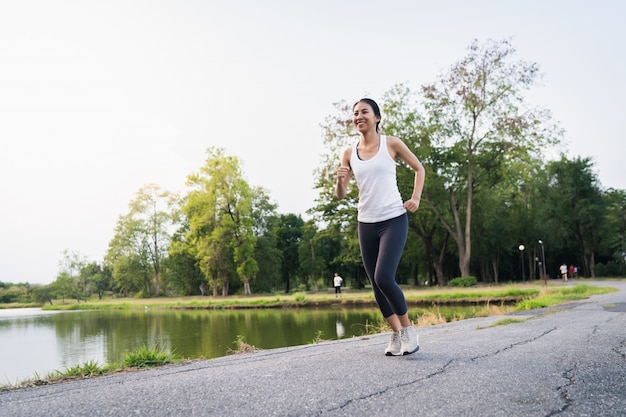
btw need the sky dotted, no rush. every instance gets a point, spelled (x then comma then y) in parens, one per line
(100, 98)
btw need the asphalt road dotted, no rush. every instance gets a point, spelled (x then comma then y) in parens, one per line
(564, 361)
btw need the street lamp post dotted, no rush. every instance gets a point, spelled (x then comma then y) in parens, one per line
(521, 256)
(543, 258)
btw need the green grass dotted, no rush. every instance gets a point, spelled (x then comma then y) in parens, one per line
(507, 321)
(142, 357)
(560, 295)
(147, 357)
(530, 295)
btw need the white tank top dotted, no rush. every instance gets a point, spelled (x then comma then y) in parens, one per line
(379, 198)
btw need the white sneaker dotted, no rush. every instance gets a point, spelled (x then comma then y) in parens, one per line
(394, 348)
(410, 341)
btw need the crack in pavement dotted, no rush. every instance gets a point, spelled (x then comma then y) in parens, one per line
(562, 391)
(374, 394)
(433, 374)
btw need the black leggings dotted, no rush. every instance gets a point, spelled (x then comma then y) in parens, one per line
(382, 245)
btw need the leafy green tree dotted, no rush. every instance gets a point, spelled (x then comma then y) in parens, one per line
(69, 283)
(143, 235)
(63, 286)
(576, 209)
(267, 255)
(128, 259)
(402, 119)
(220, 216)
(479, 121)
(288, 232)
(44, 293)
(311, 263)
(184, 277)
(616, 217)
(95, 278)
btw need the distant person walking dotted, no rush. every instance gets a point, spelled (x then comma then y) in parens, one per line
(337, 280)
(382, 216)
(563, 269)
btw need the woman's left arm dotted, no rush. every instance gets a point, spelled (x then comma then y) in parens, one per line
(400, 150)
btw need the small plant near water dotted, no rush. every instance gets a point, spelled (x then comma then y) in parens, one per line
(87, 369)
(318, 337)
(146, 357)
(242, 346)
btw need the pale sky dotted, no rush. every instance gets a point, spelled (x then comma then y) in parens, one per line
(99, 98)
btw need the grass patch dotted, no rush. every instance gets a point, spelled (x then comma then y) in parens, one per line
(142, 357)
(554, 296)
(507, 321)
(147, 357)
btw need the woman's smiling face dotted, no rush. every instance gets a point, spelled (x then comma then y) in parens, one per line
(363, 117)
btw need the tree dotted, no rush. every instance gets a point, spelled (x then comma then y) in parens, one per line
(220, 215)
(616, 206)
(576, 208)
(288, 232)
(142, 238)
(403, 120)
(479, 122)
(69, 282)
(95, 278)
(267, 255)
(311, 262)
(184, 277)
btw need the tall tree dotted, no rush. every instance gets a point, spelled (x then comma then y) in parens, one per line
(616, 206)
(576, 207)
(288, 232)
(220, 216)
(402, 119)
(143, 235)
(267, 255)
(69, 282)
(479, 122)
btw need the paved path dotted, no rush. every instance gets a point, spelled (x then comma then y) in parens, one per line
(564, 361)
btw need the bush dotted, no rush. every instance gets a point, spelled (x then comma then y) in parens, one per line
(610, 269)
(299, 296)
(463, 282)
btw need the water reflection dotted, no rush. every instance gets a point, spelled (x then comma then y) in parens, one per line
(32, 341)
(39, 342)
(340, 329)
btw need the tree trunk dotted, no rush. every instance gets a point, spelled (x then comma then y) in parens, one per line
(225, 287)
(214, 284)
(313, 277)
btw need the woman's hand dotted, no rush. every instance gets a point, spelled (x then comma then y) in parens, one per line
(342, 173)
(412, 205)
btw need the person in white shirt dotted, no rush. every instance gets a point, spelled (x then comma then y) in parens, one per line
(382, 216)
(337, 280)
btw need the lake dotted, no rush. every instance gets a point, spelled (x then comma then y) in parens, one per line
(35, 342)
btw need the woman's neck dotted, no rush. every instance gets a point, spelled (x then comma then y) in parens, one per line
(370, 137)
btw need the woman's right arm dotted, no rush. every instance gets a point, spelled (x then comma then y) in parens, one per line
(343, 174)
